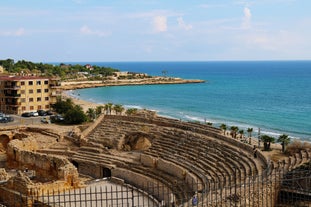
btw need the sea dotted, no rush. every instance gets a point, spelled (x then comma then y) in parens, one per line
(272, 97)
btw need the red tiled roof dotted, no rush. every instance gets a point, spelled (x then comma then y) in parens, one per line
(18, 78)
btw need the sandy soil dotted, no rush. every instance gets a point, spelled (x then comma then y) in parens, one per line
(84, 104)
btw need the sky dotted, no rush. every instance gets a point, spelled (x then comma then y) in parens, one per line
(155, 30)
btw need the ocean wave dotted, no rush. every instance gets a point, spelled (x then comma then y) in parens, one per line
(133, 106)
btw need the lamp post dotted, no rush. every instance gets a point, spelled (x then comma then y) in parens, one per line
(259, 139)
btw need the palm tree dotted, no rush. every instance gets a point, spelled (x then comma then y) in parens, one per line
(118, 108)
(108, 107)
(223, 127)
(99, 110)
(241, 132)
(91, 113)
(284, 139)
(234, 130)
(131, 111)
(267, 140)
(249, 131)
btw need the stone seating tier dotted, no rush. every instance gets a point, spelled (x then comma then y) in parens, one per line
(200, 150)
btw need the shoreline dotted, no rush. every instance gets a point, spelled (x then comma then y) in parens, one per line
(88, 104)
(81, 102)
(85, 104)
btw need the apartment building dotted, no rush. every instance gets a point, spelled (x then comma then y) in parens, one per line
(20, 94)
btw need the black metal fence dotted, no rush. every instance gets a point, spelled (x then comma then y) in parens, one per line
(276, 189)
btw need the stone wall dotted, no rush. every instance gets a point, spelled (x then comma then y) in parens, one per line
(91, 169)
(22, 155)
(160, 190)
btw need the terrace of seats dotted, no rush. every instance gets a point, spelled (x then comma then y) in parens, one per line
(198, 151)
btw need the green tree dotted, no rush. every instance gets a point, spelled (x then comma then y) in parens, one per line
(62, 106)
(108, 108)
(131, 111)
(241, 132)
(8, 65)
(285, 140)
(267, 140)
(234, 130)
(118, 108)
(224, 128)
(91, 114)
(249, 131)
(98, 110)
(75, 115)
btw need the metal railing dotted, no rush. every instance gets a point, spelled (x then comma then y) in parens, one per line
(278, 188)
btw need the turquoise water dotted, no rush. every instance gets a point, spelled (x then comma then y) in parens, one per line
(274, 96)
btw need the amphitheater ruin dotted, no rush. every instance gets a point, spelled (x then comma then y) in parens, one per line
(169, 161)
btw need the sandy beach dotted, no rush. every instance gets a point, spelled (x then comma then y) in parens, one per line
(84, 104)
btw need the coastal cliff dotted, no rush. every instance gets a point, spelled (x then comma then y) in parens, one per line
(145, 81)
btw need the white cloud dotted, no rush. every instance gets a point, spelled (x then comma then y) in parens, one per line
(16, 33)
(183, 25)
(85, 30)
(246, 24)
(160, 23)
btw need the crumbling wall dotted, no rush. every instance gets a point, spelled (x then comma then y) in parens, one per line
(3, 175)
(46, 166)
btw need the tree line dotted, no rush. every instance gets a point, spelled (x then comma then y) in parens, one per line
(266, 139)
(74, 114)
(63, 71)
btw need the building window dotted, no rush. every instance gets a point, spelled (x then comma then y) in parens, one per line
(38, 90)
(47, 106)
(23, 100)
(22, 83)
(23, 108)
(39, 99)
(46, 98)
(39, 107)
(38, 82)
(46, 90)
(30, 83)
(46, 82)
(30, 91)
(30, 99)
(31, 107)
(22, 91)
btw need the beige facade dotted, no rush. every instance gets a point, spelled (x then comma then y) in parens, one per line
(20, 94)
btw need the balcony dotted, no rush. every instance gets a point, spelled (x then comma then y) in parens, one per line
(12, 87)
(13, 103)
(12, 95)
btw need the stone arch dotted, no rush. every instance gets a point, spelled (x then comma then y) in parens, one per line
(4, 140)
(75, 163)
(106, 172)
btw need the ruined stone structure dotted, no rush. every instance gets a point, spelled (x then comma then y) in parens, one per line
(48, 172)
(184, 157)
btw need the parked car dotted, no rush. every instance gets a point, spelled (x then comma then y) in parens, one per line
(49, 112)
(34, 113)
(26, 114)
(56, 118)
(45, 120)
(42, 112)
(9, 118)
(3, 119)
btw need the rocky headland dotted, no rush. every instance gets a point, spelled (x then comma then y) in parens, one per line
(71, 85)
